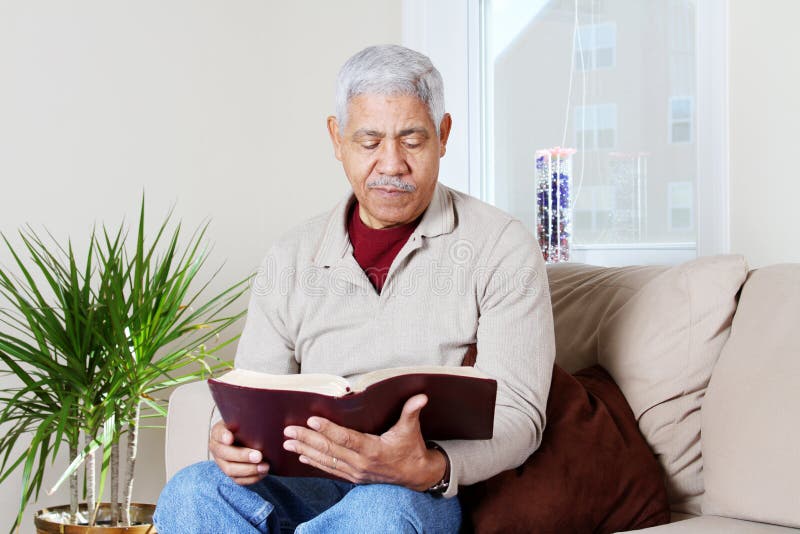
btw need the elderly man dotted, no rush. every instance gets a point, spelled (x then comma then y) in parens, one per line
(402, 272)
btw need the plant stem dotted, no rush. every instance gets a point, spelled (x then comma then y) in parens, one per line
(73, 485)
(91, 498)
(115, 504)
(133, 435)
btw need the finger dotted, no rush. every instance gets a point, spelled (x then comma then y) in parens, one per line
(409, 418)
(239, 470)
(345, 437)
(232, 453)
(342, 470)
(306, 441)
(221, 434)
(333, 459)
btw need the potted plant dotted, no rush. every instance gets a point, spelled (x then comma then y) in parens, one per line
(91, 343)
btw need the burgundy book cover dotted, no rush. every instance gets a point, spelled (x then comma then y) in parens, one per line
(458, 408)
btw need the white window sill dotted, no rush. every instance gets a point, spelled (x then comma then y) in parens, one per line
(618, 255)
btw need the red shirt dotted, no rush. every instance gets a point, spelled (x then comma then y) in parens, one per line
(375, 250)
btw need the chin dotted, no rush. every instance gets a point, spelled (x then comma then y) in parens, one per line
(393, 217)
(393, 208)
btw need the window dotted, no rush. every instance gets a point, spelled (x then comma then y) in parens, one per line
(680, 119)
(596, 46)
(596, 126)
(540, 98)
(594, 75)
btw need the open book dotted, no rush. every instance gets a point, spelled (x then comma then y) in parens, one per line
(256, 407)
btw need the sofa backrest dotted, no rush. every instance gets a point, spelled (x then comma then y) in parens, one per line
(584, 297)
(658, 331)
(751, 414)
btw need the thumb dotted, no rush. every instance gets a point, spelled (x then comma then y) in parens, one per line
(411, 410)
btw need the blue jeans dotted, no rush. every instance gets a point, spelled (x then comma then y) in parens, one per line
(202, 499)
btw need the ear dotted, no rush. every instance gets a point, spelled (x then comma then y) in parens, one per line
(444, 133)
(336, 138)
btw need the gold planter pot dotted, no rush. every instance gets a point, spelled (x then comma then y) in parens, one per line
(141, 516)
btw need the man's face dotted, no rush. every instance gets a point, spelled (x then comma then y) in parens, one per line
(390, 154)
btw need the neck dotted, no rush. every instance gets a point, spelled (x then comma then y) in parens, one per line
(376, 224)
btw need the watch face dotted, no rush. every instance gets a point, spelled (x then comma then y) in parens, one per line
(438, 488)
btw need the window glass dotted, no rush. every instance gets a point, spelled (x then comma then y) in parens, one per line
(597, 79)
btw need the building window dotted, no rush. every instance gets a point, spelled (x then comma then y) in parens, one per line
(596, 127)
(594, 211)
(681, 113)
(596, 46)
(680, 206)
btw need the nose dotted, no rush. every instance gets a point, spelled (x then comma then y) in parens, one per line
(391, 158)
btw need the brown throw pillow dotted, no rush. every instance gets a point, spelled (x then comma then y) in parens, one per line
(593, 472)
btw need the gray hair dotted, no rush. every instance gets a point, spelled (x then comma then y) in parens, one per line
(390, 70)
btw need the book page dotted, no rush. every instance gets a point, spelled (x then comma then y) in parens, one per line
(361, 382)
(332, 385)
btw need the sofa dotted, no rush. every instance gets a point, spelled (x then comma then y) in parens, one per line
(709, 362)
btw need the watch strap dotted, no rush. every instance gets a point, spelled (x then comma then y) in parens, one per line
(440, 487)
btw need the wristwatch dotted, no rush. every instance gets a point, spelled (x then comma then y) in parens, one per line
(440, 487)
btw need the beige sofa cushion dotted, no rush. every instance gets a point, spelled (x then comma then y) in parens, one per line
(660, 347)
(751, 416)
(583, 298)
(189, 419)
(709, 524)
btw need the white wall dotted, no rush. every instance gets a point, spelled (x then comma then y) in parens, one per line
(217, 108)
(764, 118)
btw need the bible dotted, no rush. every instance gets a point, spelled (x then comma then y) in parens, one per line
(256, 407)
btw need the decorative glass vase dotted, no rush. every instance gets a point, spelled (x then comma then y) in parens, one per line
(554, 211)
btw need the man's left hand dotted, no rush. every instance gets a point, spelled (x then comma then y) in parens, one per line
(398, 456)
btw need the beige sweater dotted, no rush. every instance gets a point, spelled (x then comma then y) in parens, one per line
(469, 273)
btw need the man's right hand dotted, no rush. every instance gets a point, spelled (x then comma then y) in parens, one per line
(243, 465)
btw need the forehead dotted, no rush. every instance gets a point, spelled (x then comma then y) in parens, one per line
(387, 113)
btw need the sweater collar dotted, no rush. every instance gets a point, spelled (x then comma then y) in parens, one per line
(438, 219)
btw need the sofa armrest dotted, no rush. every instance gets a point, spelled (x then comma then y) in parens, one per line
(190, 415)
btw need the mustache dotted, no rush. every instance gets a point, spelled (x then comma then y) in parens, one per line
(391, 181)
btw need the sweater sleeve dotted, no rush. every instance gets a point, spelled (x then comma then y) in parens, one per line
(516, 346)
(265, 344)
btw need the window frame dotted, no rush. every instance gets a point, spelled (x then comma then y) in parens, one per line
(457, 53)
